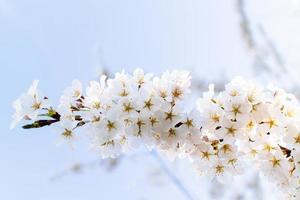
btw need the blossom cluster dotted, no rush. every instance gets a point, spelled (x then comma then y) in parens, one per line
(244, 123)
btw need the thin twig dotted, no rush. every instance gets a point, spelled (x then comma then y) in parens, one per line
(109, 164)
(260, 53)
(272, 47)
(245, 24)
(175, 180)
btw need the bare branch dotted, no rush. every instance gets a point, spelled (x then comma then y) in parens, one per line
(172, 176)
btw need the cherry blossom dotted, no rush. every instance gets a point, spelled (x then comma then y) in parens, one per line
(224, 132)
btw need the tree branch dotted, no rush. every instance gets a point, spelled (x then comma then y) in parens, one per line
(175, 180)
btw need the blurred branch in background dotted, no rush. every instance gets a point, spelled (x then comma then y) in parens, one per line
(108, 164)
(172, 176)
(255, 185)
(260, 53)
(245, 25)
(272, 48)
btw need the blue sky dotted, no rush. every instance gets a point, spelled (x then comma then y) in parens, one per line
(57, 41)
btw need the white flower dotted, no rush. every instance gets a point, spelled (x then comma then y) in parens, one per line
(148, 102)
(66, 128)
(272, 123)
(203, 152)
(173, 138)
(227, 150)
(229, 131)
(179, 82)
(73, 92)
(219, 169)
(190, 122)
(110, 126)
(211, 117)
(238, 108)
(254, 92)
(95, 99)
(292, 137)
(120, 86)
(108, 149)
(236, 88)
(141, 79)
(129, 107)
(29, 105)
(235, 165)
(275, 166)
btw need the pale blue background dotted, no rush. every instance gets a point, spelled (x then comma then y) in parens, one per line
(56, 41)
